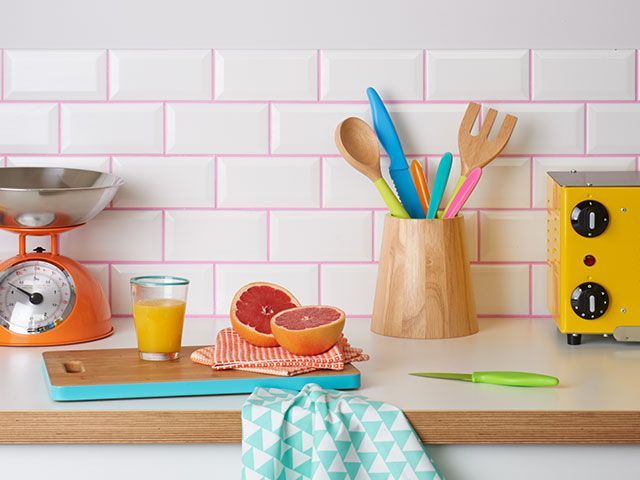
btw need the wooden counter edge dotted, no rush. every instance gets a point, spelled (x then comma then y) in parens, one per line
(202, 426)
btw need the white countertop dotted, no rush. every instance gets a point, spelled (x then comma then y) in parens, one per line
(601, 374)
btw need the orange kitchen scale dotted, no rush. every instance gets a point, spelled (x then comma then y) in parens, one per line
(593, 253)
(47, 298)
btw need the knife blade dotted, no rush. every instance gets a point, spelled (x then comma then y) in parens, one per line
(399, 169)
(512, 379)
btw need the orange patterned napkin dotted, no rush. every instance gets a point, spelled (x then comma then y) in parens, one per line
(232, 352)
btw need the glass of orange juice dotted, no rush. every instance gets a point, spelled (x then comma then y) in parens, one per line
(158, 313)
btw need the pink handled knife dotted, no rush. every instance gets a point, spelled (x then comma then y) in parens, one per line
(464, 192)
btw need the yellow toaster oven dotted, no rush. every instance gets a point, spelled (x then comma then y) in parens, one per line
(593, 253)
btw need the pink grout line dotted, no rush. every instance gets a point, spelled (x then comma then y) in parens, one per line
(586, 129)
(373, 236)
(321, 173)
(213, 74)
(268, 235)
(318, 74)
(164, 128)
(531, 182)
(424, 75)
(162, 241)
(319, 284)
(337, 102)
(530, 75)
(109, 287)
(216, 182)
(270, 121)
(280, 262)
(636, 75)
(108, 70)
(1, 74)
(213, 283)
(478, 236)
(59, 128)
(510, 315)
(530, 289)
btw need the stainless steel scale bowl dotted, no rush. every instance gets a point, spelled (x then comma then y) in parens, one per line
(44, 197)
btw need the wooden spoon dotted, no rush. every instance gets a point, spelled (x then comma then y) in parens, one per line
(358, 145)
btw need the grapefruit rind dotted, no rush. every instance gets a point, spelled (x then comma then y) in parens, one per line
(247, 332)
(308, 341)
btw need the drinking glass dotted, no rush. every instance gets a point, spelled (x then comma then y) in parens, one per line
(158, 313)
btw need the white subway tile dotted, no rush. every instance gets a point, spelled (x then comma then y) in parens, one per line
(28, 128)
(585, 164)
(428, 128)
(543, 128)
(501, 289)
(349, 287)
(100, 272)
(395, 74)
(268, 182)
(321, 236)
(200, 296)
(216, 235)
(266, 75)
(9, 244)
(300, 280)
(343, 186)
(99, 164)
(478, 74)
(160, 74)
(505, 183)
(221, 128)
(165, 181)
(470, 226)
(613, 128)
(513, 236)
(584, 74)
(55, 74)
(310, 128)
(117, 235)
(539, 293)
(111, 128)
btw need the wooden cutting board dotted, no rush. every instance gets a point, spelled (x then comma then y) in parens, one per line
(119, 373)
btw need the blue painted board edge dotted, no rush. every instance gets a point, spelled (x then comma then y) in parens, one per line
(193, 388)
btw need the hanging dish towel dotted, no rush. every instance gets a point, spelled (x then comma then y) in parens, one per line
(326, 434)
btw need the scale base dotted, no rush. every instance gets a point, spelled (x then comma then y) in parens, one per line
(58, 342)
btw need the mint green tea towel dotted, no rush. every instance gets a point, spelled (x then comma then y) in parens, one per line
(326, 434)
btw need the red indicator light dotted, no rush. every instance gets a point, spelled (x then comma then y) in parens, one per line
(589, 260)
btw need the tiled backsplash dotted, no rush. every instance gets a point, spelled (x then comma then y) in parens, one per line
(232, 174)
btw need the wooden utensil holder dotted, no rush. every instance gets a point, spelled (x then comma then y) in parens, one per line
(424, 284)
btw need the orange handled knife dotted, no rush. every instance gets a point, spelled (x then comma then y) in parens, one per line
(417, 174)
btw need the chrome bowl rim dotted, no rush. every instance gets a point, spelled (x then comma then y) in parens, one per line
(118, 181)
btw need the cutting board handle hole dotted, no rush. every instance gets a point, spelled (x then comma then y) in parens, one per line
(74, 366)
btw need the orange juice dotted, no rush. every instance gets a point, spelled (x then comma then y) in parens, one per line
(159, 324)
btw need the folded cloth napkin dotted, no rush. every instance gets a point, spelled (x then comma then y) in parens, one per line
(327, 434)
(232, 352)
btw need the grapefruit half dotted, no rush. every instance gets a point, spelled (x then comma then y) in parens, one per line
(308, 330)
(252, 308)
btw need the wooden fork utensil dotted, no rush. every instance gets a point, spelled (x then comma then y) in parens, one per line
(476, 151)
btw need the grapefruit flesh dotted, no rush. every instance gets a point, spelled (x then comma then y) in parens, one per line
(308, 330)
(253, 307)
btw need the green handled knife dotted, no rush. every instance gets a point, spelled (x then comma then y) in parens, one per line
(512, 379)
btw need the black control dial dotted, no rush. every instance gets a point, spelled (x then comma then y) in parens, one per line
(589, 300)
(589, 218)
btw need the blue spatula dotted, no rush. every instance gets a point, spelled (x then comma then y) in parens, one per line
(399, 168)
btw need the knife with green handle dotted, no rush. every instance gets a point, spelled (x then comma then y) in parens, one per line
(512, 379)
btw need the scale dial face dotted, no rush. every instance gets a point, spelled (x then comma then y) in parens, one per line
(35, 296)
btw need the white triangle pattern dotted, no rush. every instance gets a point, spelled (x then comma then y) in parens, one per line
(331, 411)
